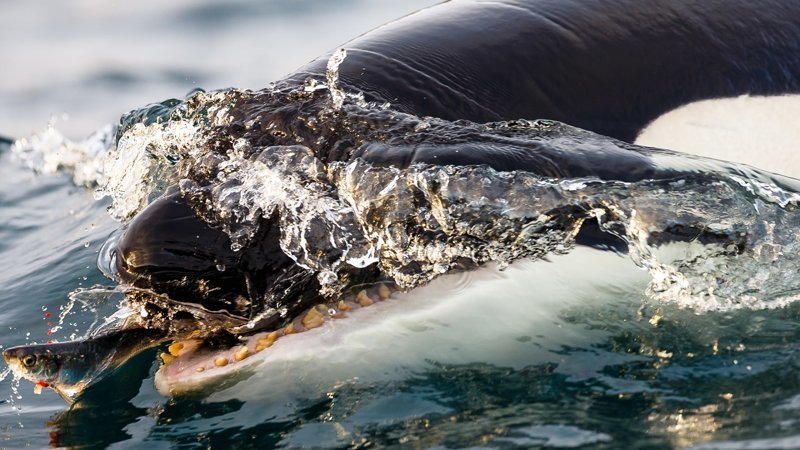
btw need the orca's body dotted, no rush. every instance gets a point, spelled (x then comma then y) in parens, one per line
(609, 66)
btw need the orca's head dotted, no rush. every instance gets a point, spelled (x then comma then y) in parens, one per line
(169, 250)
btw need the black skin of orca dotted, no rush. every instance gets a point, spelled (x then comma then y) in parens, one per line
(167, 248)
(607, 66)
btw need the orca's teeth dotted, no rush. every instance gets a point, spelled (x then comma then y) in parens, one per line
(384, 292)
(265, 342)
(183, 358)
(363, 299)
(167, 357)
(175, 348)
(313, 319)
(241, 354)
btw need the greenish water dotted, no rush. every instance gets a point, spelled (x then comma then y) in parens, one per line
(606, 367)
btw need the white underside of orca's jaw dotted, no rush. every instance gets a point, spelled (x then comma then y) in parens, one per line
(511, 318)
(763, 132)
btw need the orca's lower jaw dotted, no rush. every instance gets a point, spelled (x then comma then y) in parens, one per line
(192, 364)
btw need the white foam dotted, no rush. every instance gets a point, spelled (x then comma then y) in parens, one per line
(50, 152)
(143, 164)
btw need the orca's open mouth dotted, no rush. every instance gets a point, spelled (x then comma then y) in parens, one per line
(192, 364)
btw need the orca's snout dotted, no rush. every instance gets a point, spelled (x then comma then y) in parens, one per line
(167, 249)
(168, 238)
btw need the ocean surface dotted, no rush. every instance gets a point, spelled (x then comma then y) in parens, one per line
(567, 352)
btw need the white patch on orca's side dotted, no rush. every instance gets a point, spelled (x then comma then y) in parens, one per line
(512, 318)
(763, 132)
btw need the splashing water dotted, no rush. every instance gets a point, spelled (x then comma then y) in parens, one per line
(50, 152)
(5, 373)
(332, 76)
(142, 165)
(486, 215)
(97, 310)
(718, 237)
